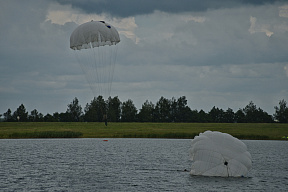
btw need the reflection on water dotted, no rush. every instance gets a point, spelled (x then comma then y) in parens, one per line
(129, 165)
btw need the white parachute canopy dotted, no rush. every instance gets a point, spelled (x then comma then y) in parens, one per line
(219, 154)
(94, 44)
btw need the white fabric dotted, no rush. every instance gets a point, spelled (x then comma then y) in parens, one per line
(210, 150)
(97, 60)
(93, 34)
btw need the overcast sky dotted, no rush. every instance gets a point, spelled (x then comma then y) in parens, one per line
(216, 53)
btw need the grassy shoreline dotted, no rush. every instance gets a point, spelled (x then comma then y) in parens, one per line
(255, 131)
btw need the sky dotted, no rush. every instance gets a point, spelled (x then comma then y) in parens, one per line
(216, 53)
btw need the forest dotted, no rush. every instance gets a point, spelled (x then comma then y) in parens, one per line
(165, 110)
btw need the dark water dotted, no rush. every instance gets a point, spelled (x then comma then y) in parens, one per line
(129, 165)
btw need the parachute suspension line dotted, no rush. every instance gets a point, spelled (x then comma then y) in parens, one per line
(226, 164)
(104, 68)
(110, 73)
(91, 70)
(108, 54)
(100, 63)
(113, 55)
(105, 59)
(227, 171)
(99, 66)
(95, 72)
(84, 64)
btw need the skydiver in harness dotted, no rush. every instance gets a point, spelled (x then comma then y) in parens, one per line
(105, 119)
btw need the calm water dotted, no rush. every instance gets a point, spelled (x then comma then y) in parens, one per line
(129, 165)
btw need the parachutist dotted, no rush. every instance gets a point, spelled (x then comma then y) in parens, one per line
(92, 41)
(105, 119)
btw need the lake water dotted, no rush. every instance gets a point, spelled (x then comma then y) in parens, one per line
(129, 165)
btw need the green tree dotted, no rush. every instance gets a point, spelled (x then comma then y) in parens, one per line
(281, 112)
(114, 109)
(216, 115)
(146, 113)
(264, 117)
(20, 114)
(74, 110)
(256, 115)
(35, 116)
(180, 112)
(90, 112)
(49, 118)
(129, 111)
(229, 116)
(8, 116)
(95, 111)
(56, 117)
(240, 116)
(250, 112)
(163, 110)
(194, 116)
(65, 117)
(203, 117)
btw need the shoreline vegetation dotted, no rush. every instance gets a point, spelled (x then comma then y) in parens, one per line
(246, 131)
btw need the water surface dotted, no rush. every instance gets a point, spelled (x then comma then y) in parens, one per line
(129, 165)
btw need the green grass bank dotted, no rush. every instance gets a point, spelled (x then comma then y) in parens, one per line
(257, 131)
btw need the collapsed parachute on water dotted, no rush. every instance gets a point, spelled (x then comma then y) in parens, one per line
(219, 154)
(94, 44)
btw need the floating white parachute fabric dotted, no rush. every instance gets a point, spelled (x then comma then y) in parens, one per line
(93, 34)
(94, 45)
(219, 154)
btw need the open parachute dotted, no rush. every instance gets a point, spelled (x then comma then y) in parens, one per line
(219, 154)
(94, 44)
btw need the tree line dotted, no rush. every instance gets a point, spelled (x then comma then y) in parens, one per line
(165, 110)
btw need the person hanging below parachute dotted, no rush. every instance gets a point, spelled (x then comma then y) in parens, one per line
(95, 47)
(105, 119)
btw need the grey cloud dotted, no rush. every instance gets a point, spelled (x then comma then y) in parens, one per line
(216, 62)
(125, 8)
(34, 55)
